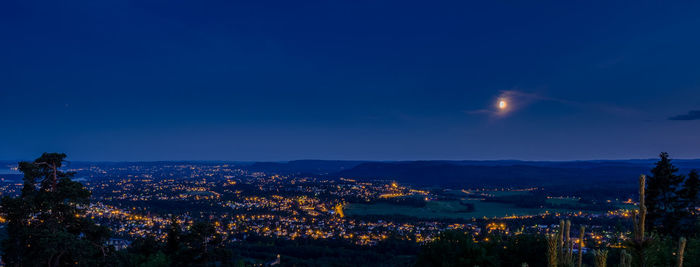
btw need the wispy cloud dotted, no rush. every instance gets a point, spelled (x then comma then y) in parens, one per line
(514, 99)
(518, 100)
(691, 115)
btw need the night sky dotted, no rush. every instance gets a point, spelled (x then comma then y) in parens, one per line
(375, 80)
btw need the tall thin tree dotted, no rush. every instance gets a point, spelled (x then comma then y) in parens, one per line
(662, 197)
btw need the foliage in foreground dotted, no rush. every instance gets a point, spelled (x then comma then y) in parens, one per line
(45, 224)
(456, 248)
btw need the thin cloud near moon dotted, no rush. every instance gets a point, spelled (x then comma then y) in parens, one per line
(507, 102)
(510, 101)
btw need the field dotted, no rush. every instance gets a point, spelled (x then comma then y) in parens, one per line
(575, 203)
(477, 194)
(454, 210)
(441, 209)
(563, 201)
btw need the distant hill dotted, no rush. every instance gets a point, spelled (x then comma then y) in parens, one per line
(467, 175)
(312, 167)
(599, 179)
(472, 173)
(567, 176)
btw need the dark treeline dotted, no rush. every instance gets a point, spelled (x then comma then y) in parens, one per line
(200, 245)
(531, 200)
(538, 199)
(456, 248)
(410, 201)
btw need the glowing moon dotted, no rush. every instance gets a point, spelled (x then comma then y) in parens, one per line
(502, 104)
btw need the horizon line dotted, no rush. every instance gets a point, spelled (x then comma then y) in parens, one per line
(347, 160)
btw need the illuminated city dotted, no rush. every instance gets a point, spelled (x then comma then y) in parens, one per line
(141, 200)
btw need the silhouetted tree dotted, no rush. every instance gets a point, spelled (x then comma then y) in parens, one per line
(46, 223)
(690, 200)
(524, 248)
(201, 245)
(691, 188)
(454, 248)
(172, 243)
(147, 251)
(662, 197)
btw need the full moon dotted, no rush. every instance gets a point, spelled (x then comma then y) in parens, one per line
(502, 104)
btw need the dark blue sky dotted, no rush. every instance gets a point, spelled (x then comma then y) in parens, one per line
(267, 80)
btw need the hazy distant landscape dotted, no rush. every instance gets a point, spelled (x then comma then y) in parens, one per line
(597, 180)
(377, 212)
